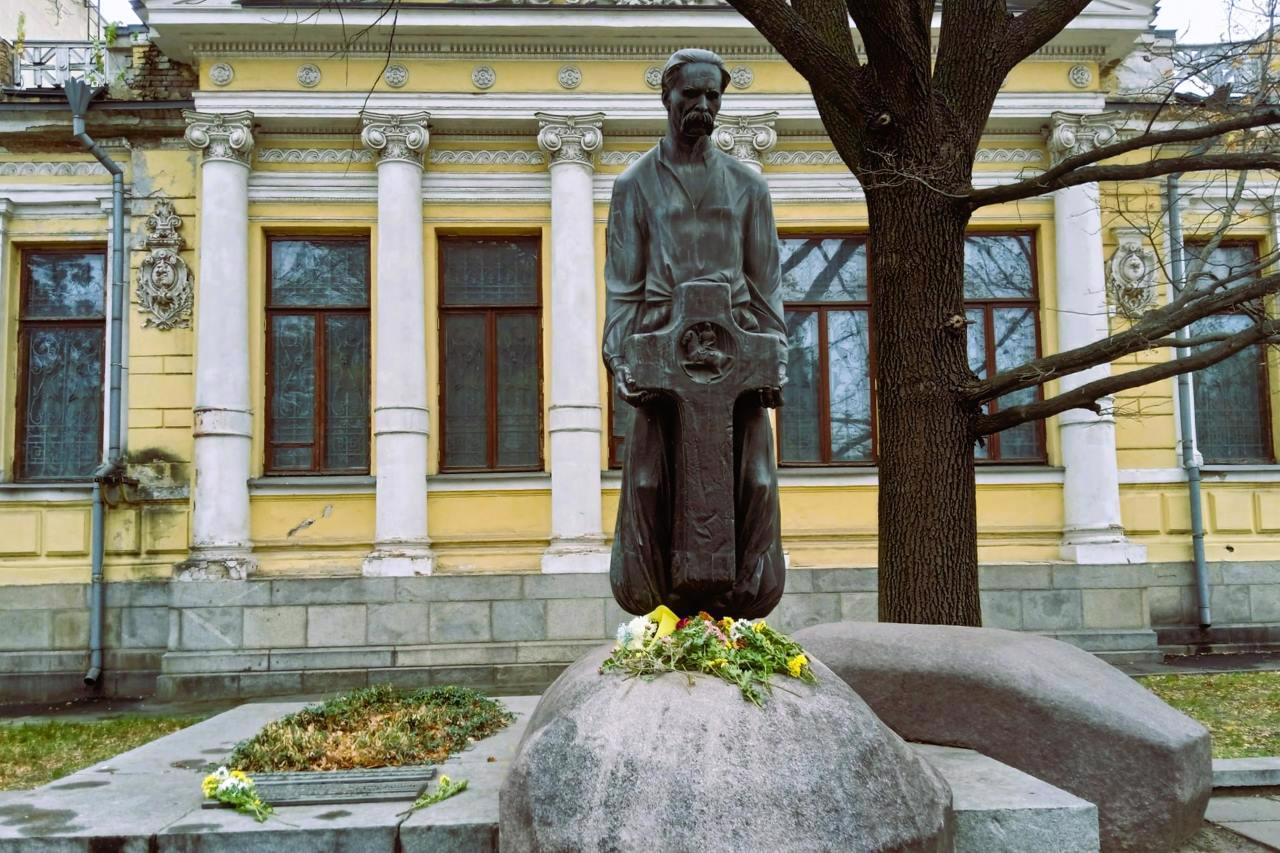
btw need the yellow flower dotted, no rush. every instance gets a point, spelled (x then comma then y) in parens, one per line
(240, 774)
(209, 785)
(666, 620)
(796, 665)
(726, 624)
(758, 627)
(444, 780)
(718, 662)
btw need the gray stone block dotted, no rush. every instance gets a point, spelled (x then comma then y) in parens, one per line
(519, 620)
(1166, 605)
(334, 680)
(567, 586)
(1171, 574)
(403, 624)
(29, 629)
(133, 659)
(270, 683)
(325, 658)
(336, 625)
(1115, 608)
(463, 676)
(561, 792)
(1253, 573)
(575, 618)
(219, 593)
(1073, 576)
(1015, 577)
(614, 616)
(175, 663)
(1261, 772)
(333, 591)
(460, 622)
(799, 580)
(1230, 604)
(859, 607)
(196, 687)
(462, 654)
(1054, 610)
(1133, 640)
(137, 594)
(844, 580)
(804, 609)
(175, 629)
(275, 627)
(212, 628)
(403, 678)
(554, 652)
(458, 588)
(1044, 707)
(70, 629)
(1264, 602)
(61, 596)
(42, 661)
(144, 627)
(1001, 608)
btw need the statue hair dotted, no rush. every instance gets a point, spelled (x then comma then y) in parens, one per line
(685, 56)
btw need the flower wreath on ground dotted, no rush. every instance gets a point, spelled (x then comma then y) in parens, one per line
(739, 651)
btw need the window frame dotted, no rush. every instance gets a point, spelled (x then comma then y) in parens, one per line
(824, 363)
(988, 318)
(490, 313)
(23, 353)
(317, 313)
(1264, 375)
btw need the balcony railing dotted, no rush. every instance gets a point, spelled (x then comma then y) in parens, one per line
(50, 64)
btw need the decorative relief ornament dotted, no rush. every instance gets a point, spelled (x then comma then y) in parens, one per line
(1080, 76)
(570, 139)
(570, 77)
(1131, 276)
(396, 76)
(1070, 134)
(483, 77)
(746, 137)
(653, 77)
(221, 74)
(741, 77)
(221, 136)
(308, 75)
(396, 137)
(164, 281)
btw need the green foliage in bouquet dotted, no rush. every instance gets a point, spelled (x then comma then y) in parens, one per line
(739, 651)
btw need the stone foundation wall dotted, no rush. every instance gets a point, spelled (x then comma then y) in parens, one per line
(514, 632)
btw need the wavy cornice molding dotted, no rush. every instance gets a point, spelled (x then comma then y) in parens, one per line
(59, 169)
(445, 157)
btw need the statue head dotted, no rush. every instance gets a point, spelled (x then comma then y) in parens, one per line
(692, 83)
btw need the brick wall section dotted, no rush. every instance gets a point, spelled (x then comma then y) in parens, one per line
(155, 77)
(6, 64)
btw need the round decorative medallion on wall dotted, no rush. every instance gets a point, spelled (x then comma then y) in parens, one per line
(741, 77)
(1080, 76)
(396, 76)
(308, 75)
(221, 73)
(653, 77)
(570, 77)
(484, 77)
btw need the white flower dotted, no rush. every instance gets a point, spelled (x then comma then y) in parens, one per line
(622, 635)
(636, 629)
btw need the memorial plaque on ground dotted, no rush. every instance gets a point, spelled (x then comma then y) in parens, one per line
(335, 787)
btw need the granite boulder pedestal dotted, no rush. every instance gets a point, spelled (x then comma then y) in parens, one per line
(685, 763)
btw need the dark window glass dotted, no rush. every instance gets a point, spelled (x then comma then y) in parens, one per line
(1002, 307)
(62, 334)
(1231, 398)
(491, 354)
(318, 356)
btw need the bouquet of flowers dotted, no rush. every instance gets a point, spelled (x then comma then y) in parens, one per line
(236, 789)
(739, 651)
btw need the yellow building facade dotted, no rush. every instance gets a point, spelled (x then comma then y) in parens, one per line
(367, 430)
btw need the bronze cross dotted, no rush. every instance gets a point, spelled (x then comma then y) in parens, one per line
(704, 361)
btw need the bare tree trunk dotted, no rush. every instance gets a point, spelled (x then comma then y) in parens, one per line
(927, 503)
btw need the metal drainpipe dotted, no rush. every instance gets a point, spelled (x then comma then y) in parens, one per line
(1186, 415)
(79, 95)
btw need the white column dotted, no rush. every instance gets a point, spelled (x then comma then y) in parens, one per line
(401, 545)
(220, 543)
(746, 137)
(575, 419)
(1093, 531)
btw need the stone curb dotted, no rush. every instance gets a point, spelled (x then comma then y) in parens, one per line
(1246, 772)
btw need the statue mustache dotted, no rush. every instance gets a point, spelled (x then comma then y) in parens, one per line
(698, 120)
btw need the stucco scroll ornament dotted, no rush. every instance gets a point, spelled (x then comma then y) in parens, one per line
(1070, 134)
(570, 139)
(396, 137)
(164, 281)
(1131, 277)
(221, 136)
(746, 137)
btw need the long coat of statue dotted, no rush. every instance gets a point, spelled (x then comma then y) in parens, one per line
(660, 236)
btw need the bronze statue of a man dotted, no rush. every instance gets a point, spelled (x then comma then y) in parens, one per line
(687, 213)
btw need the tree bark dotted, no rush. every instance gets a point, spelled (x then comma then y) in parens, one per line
(928, 554)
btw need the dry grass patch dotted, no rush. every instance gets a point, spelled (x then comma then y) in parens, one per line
(373, 727)
(33, 754)
(1240, 709)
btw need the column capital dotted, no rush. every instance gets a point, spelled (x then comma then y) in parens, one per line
(746, 136)
(396, 137)
(221, 136)
(1069, 134)
(570, 138)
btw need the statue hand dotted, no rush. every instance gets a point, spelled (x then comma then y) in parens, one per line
(771, 398)
(625, 384)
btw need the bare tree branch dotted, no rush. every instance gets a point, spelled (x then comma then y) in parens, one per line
(1256, 161)
(1034, 28)
(897, 35)
(829, 20)
(1087, 395)
(963, 75)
